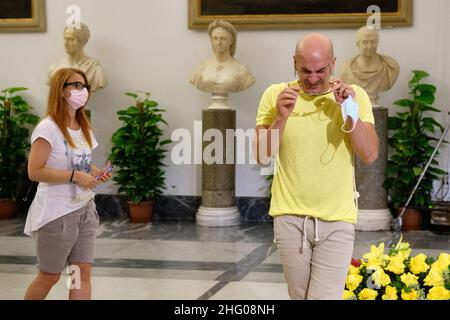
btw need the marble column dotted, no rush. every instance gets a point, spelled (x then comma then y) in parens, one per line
(374, 213)
(218, 207)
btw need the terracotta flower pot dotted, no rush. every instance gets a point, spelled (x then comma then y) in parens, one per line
(412, 219)
(141, 212)
(7, 209)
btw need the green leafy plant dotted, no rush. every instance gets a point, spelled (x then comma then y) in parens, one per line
(413, 143)
(14, 134)
(138, 150)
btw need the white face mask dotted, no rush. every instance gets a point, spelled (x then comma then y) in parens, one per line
(77, 98)
(349, 108)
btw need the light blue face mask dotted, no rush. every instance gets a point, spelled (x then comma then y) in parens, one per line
(349, 109)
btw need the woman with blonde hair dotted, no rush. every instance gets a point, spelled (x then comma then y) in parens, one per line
(63, 217)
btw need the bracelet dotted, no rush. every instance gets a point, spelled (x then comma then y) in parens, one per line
(71, 177)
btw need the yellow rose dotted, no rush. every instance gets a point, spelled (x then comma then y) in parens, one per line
(396, 264)
(353, 281)
(353, 270)
(442, 262)
(348, 295)
(409, 279)
(367, 294)
(434, 278)
(438, 293)
(411, 295)
(418, 264)
(390, 293)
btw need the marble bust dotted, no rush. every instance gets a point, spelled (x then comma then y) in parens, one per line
(222, 73)
(74, 42)
(372, 71)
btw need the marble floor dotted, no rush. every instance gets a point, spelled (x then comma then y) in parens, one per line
(169, 260)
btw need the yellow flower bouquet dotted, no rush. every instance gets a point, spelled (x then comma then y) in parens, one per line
(398, 276)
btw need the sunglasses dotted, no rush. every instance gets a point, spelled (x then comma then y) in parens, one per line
(78, 85)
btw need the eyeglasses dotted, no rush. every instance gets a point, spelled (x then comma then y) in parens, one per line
(78, 85)
(315, 94)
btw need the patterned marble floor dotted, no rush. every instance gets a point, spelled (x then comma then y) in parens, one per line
(160, 260)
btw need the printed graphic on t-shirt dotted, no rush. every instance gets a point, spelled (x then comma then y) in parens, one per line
(82, 162)
(81, 158)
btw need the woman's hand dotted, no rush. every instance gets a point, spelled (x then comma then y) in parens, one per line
(85, 180)
(95, 171)
(101, 175)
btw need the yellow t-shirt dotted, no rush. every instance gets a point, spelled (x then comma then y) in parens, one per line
(314, 166)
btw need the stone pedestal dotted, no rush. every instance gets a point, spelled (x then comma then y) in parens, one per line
(219, 102)
(218, 207)
(373, 213)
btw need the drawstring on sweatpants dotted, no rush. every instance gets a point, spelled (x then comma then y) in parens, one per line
(316, 232)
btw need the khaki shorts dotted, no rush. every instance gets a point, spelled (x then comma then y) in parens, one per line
(70, 238)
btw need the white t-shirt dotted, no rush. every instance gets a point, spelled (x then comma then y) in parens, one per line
(53, 200)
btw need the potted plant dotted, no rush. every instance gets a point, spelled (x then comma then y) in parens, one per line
(14, 145)
(137, 154)
(412, 144)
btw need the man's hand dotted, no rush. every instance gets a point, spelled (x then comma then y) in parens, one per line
(341, 90)
(286, 102)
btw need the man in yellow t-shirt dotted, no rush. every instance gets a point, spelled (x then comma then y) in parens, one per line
(314, 126)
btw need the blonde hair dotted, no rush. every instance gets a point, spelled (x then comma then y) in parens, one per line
(57, 107)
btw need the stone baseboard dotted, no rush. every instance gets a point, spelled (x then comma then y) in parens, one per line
(374, 220)
(176, 207)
